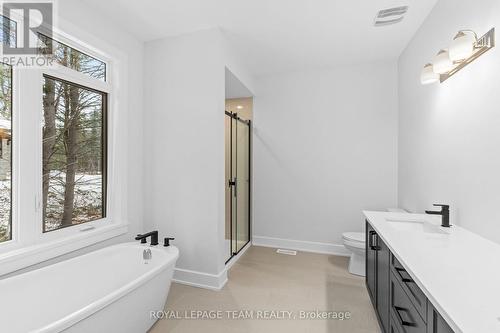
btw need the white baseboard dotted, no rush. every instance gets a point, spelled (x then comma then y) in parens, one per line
(238, 256)
(305, 246)
(200, 279)
(205, 280)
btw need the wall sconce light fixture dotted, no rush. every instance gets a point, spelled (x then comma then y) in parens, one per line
(442, 63)
(464, 49)
(428, 76)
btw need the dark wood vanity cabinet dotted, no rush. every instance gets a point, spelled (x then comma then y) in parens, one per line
(413, 292)
(400, 305)
(371, 264)
(383, 271)
(404, 315)
(377, 275)
(394, 328)
(436, 323)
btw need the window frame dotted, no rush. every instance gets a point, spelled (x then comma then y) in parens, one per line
(12, 134)
(104, 149)
(29, 244)
(104, 79)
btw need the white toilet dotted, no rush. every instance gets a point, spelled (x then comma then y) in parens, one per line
(355, 242)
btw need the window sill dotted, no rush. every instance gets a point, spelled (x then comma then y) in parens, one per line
(27, 256)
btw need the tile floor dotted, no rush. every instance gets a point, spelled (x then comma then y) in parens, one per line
(264, 280)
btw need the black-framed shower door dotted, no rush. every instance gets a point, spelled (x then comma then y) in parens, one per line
(233, 180)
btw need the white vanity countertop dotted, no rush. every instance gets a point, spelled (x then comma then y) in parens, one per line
(459, 271)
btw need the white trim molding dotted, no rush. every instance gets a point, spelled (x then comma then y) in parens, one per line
(206, 280)
(238, 256)
(298, 245)
(200, 279)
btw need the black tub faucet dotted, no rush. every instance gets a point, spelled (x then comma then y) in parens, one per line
(445, 214)
(167, 241)
(154, 237)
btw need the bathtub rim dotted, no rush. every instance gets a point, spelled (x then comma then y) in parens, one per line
(79, 315)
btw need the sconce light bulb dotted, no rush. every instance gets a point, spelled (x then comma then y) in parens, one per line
(462, 46)
(442, 63)
(428, 76)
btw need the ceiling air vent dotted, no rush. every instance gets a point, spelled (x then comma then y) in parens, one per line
(390, 16)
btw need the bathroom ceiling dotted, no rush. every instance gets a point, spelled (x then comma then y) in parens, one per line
(278, 35)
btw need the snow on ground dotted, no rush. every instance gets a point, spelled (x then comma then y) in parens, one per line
(5, 123)
(4, 208)
(87, 203)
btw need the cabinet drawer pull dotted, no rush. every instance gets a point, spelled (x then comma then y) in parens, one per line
(373, 235)
(401, 321)
(400, 272)
(370, 239)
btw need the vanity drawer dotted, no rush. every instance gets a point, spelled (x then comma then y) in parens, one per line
(416, 295)
(394, 325)
(404, 315)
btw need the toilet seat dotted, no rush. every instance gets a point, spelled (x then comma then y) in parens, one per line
(354, 237)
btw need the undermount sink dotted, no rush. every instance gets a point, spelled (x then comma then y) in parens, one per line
(415, 225)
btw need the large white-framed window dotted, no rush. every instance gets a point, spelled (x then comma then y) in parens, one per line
(61, 141)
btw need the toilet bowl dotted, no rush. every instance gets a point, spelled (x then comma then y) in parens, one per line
(355, 242)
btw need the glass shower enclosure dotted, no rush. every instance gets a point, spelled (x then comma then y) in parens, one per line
(238, 191)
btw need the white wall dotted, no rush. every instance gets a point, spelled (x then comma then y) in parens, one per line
(102, 34)
(325, 148)
(449, 148)
(184, 154)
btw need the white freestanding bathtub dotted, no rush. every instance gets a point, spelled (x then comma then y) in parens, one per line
(109, 290)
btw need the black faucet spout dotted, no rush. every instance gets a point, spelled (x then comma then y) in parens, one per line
(445, 214)
(152, 234)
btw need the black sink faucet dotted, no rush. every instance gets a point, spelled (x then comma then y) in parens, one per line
(445, 214)
(154, 237)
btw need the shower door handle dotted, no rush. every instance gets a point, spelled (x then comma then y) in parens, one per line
(234, 185)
